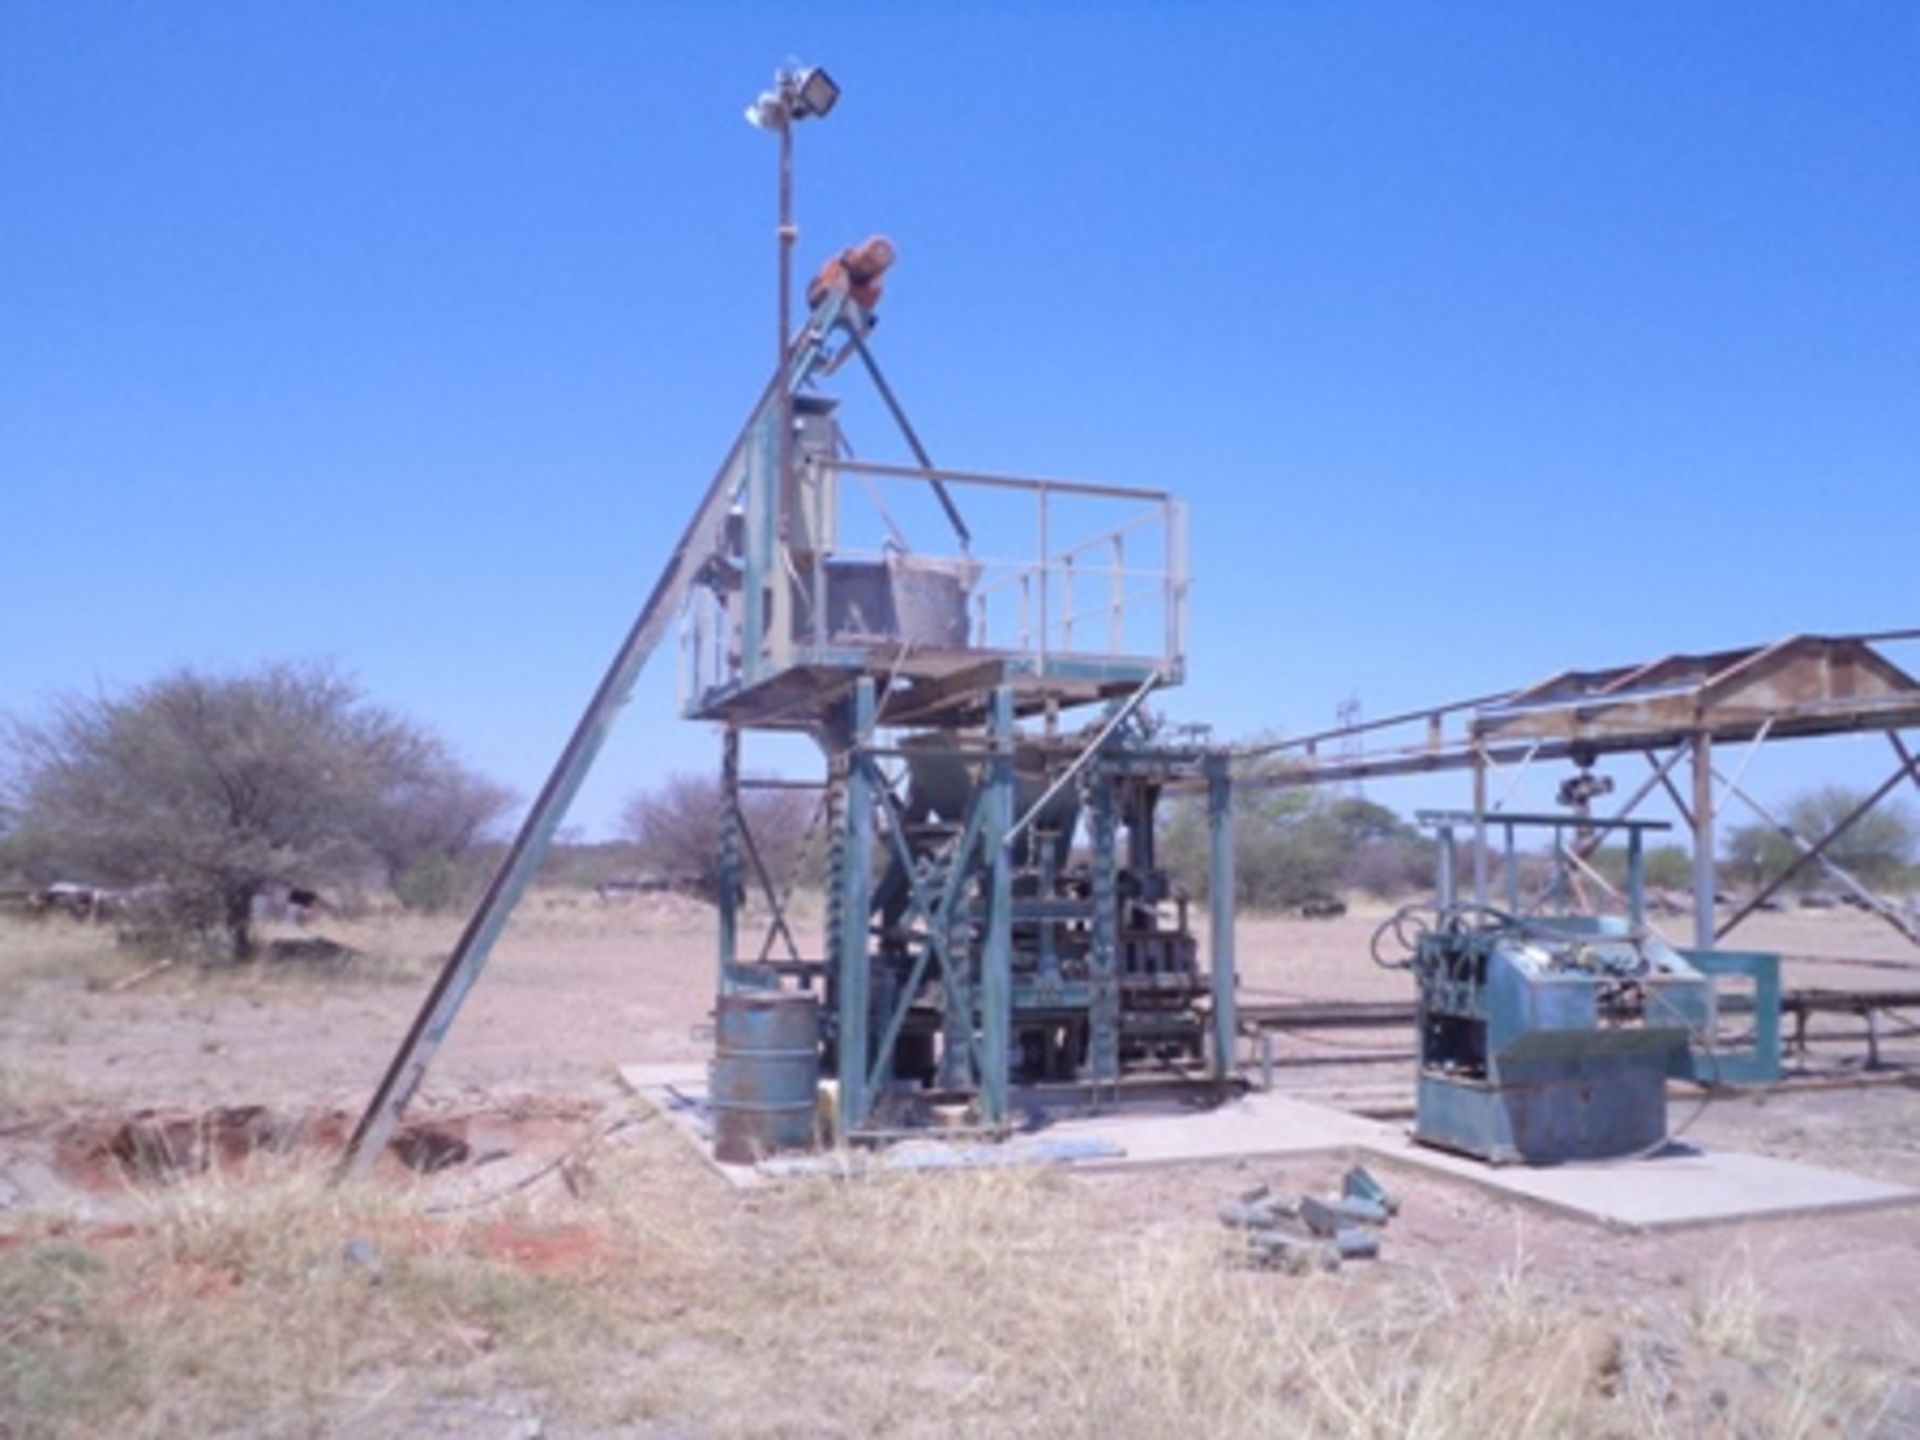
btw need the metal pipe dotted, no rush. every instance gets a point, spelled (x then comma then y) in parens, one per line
(1385, 722)
(992, 481)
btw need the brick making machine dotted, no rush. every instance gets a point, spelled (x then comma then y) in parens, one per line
(1547, 1038)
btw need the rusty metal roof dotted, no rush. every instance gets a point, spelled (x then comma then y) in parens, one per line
(1803, 685)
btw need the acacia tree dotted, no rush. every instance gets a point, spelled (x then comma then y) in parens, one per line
(431, 817)
(219, 787)
(1286, 847)
(1877, 847)
(675, 829)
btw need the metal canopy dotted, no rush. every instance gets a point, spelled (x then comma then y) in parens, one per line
(1797, 688)
(1802, 686)
(1685, 705)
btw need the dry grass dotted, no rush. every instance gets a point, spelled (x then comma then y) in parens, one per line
(27, 1091)
(989, 1304)
(656, 1302)
(58, 951)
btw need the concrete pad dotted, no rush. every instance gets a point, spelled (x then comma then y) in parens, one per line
(1255, 1125)
(1676, 1189)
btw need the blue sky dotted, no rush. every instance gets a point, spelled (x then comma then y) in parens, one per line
(1484, 339)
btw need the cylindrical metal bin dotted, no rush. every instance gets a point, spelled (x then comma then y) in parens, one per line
(765, 1074)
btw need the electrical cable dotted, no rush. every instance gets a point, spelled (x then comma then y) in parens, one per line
(626, 1122)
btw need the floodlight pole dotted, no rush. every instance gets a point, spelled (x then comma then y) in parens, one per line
(788, 233)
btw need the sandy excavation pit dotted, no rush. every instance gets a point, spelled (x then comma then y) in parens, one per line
(156, 1148)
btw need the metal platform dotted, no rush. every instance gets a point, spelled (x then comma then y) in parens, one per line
(935, 689)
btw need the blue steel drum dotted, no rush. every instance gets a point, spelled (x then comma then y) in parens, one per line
(765, 1074)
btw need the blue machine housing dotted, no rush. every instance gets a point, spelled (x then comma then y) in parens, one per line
(1551, 1040)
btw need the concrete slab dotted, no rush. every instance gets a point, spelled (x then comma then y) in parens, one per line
(1677, 1189)
(1256, 1125)
(679, 1092)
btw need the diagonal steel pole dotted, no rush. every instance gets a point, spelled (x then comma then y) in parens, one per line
(912, 438)
(1906, 755)
(1815, 853)
(470, 955)
(1662, 772)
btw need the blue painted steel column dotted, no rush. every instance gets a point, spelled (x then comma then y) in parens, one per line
(1103, 1012)
(1220, 883)
(1636, 879)
(855, 919)
(729, 860)
(996, 987)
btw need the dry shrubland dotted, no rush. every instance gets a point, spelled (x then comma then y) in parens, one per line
(642, 1297)
(630, 1292)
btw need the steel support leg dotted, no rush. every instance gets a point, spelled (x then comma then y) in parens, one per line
(851, 945)
(1479, 827)
(996, 987)
(729, 860)
(1703, 842)
(1103, 945)
(1636, 880)
(1220, 885)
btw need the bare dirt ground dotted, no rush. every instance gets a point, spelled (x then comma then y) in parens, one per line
(582, 1273)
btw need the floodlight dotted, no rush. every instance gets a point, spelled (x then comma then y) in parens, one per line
(768, 112)
(813, 93)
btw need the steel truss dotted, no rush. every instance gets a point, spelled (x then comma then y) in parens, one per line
(1680, 707)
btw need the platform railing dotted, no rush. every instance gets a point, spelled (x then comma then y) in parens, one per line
(1060, 571)
(1107, 581)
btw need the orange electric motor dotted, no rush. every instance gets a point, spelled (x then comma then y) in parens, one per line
(857, 270)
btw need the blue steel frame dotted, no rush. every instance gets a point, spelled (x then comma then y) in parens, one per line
(962, 912)
(780, 671)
